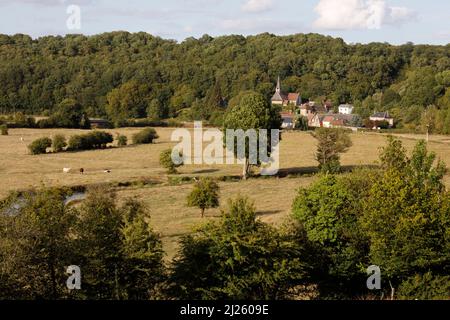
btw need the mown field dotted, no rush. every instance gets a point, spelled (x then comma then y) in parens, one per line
(169, 215)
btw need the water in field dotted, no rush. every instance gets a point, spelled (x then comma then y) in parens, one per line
(15, 208)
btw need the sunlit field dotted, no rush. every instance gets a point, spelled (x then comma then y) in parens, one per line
(166, 200)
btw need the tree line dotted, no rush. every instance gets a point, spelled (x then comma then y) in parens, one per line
(120, 75)
(395, 217)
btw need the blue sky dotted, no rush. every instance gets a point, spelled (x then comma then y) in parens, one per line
(394, 21)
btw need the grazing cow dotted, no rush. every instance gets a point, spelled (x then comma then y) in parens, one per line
(21, 139)
(107, 171)
(66, 170)
(82, 171)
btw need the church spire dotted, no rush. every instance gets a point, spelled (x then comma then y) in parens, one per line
(278, 90)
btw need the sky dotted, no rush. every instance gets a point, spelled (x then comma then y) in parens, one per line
(356, 21)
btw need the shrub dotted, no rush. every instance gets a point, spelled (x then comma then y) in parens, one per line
(146, 136)
(40, 146)
(122, 140)
(59, 143)
(4, 129)
(301, 123)
(93, 140)
(98, 139)
(45, 123)
(165, 160)
(77, 143)
(172, 123)
(425, 287)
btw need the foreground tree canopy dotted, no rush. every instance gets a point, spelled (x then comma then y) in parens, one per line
(123, 75)
(397, 218)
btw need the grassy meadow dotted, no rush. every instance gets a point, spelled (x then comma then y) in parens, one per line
(167, 201)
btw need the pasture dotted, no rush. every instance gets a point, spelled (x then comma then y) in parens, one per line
(169, 215)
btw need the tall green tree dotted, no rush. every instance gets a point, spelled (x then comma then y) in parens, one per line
(237, 257)
(331, 144)
(69, 114)
(100, 243)
(205, 195)
(36, 246)
(328, 213)
(252, 112)
(406, 215)
(143, 269)
(130, 100)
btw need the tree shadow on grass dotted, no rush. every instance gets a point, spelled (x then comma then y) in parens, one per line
(205, 171)
(314, 170)
(268, 212)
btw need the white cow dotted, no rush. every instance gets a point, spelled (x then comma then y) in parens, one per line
(67, 170)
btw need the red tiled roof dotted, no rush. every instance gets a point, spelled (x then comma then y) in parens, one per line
(337, 122)
(328, 119)
(293, 96)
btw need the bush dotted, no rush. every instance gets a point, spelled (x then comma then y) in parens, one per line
(146, 136)
(425, 287)
(165, 160)
(45, 124)
(4, 129)
(90, 141)
(172, 123)
(77, 143)
(19, 121)
(98, 139)
(59, 143)
(40, 146)
(122, 140)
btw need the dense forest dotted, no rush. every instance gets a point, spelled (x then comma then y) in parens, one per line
(120, 75)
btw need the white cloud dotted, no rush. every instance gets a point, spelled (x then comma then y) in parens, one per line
(257, 5)
(359, 14)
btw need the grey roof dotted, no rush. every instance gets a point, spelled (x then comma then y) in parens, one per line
(98, 120)
(384, 115)
(277, 97)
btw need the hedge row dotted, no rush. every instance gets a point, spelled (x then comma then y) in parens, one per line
(90, 141)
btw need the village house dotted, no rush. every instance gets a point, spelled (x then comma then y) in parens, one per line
(312, 107)
(383, 117)
(331, 120)
(288, 120)
(346, 109)
(315, 120)
(290, 99)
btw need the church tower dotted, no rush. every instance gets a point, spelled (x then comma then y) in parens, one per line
(278, 89)
(278, 96)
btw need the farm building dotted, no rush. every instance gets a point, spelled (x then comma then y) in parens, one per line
(99, 123)
(382, 117)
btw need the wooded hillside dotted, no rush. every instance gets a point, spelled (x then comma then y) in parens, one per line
(122, 75)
